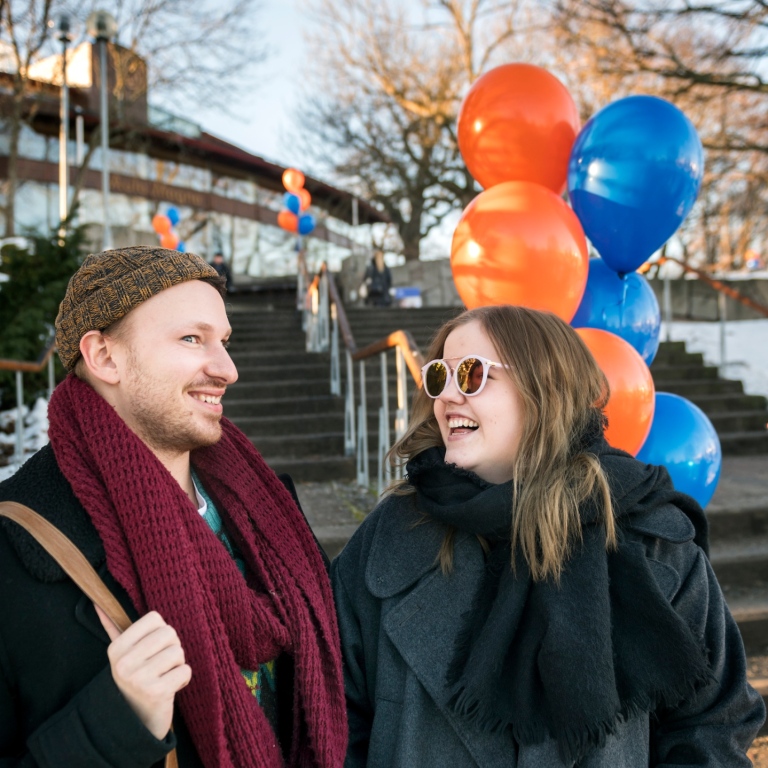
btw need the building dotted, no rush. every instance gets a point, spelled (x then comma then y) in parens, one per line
(227, 198)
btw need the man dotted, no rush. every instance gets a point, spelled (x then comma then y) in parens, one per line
(222, 270)
(235, 640)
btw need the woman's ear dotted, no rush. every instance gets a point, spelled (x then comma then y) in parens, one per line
(97, 351)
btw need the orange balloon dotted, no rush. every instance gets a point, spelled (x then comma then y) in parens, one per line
(169, 240)
(633, 397)
(161, 224)
(293, 180)
(288, 220)
(305, 199)
(519, 243)
(518, 123)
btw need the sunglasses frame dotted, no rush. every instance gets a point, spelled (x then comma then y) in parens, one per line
(486, 363)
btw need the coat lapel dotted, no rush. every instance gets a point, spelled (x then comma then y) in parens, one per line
(428, 607)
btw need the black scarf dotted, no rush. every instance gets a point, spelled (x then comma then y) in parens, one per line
(571, 661)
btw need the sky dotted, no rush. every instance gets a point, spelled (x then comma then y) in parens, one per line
(267, 115)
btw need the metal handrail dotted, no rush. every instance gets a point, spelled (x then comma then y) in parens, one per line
(717, 285)
(407, 358)
(21, 367)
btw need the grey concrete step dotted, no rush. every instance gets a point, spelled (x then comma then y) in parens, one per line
(677, 372)
(236, 407)
(739, 421)
(741, 564)
(316, 468)
(735, 524)
(744, 443)
(689, 388)
(729, 401)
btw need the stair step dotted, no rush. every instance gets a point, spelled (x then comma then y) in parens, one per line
(744, 443)
(714, 403)
(314, 469)
(677, 372)
(748, 605)
(742, 523)
(741, 564)
(236, 407)
(691, 387)
(739, 421)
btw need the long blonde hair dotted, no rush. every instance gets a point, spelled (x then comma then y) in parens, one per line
(563, 392)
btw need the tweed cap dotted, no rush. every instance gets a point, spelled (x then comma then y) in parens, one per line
(110, 284)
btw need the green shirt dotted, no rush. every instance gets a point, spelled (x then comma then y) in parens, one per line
(262, 682)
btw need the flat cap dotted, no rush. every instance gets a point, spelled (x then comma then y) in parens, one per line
(110, 284)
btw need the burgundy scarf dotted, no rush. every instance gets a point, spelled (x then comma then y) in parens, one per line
(162, 552)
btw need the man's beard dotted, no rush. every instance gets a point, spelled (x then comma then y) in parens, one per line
(159, 420)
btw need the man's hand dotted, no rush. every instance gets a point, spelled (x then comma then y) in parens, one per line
(147, 663)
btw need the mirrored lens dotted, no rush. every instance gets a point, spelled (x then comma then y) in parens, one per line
(469, 375)
(434, 381)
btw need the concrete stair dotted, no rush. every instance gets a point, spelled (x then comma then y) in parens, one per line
(739, 419)
(283, 401)
(739, 557)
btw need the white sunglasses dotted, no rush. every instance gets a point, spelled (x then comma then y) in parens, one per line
(470, 375)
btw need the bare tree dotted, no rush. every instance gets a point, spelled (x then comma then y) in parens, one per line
(388, 80)
(197, 53)
(709, 58)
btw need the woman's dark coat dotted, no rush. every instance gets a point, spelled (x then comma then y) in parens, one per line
(59, 706)
(398, 614)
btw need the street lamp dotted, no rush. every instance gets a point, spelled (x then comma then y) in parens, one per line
(103, 27)
(64, 31)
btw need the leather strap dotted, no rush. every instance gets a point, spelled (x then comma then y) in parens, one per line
(75, 565)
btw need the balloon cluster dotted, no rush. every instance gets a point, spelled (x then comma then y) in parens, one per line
(632, 175)
(296, 199)
(163, 224)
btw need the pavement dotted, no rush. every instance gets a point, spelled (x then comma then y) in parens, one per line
(335, 509)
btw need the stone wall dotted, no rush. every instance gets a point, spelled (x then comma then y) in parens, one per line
(695, 300)
(691, 299)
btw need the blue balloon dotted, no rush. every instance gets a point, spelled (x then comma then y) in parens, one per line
(626, 306)
(683, 439)
(633, 176)
(306, 224)
(173, 215)
(181, 247)
(292, 202)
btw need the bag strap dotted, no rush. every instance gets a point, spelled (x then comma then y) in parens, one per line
(76, 566)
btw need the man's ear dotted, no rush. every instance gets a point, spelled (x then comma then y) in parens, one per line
(97, 351)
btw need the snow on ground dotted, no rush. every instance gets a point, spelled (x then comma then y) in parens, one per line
(746, 349)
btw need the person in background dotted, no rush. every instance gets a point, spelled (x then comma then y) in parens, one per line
(222, 270)
(529, 596)
(377, 282)
(234, 639)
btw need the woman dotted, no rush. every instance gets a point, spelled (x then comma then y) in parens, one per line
(530, 596)
(377, 282)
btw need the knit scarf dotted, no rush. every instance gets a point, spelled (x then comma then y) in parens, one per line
(164, 555)
(573, 661)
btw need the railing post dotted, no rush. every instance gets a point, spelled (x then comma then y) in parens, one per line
(667, 306)
(722, 310)
(324, 333)
(19, 455)
(401, 417)
(335, 368)
(383, 444)
(51, 376)
(363, 476)
(349, 409)
(312, 311)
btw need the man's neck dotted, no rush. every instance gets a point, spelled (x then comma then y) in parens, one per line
(179, 466)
